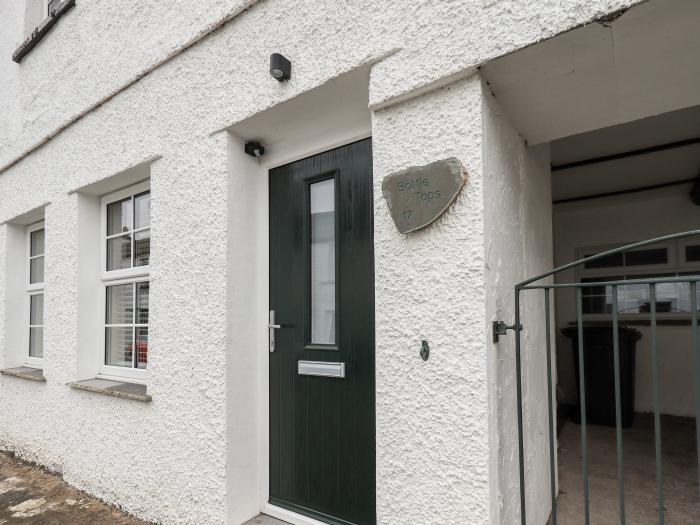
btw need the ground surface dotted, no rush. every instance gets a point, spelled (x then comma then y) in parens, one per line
(641, 504)
(265, 520)
(31, 496)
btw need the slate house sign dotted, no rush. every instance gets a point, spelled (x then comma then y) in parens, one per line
(418, 195)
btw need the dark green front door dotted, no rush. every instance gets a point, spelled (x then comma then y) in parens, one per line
(322, 426)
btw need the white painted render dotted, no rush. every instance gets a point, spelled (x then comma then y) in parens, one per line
(114, 94)
(602, 74)
(618, 221)
(518, 245)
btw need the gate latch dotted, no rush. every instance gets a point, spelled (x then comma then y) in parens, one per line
(501, 328)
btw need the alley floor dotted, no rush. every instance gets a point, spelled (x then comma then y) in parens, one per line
(29, 495)
(641, 504)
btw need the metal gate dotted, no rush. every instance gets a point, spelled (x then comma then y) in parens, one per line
(530, 285)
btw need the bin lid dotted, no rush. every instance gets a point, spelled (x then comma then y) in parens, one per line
(601, 330)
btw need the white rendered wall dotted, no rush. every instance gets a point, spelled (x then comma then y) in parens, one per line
(171, 460)
(432, 417)
(617, 221)
(430, 44)
(518, 245)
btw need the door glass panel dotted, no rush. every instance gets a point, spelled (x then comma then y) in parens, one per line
(323, 262)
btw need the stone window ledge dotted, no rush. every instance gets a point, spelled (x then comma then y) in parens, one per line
(134, 391)
(25, 372)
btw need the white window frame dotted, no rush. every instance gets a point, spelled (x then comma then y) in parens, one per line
(118, 277)
(676, 264)
(682, 263)
(33, 289)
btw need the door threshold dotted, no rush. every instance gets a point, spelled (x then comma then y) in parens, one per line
(290, 517)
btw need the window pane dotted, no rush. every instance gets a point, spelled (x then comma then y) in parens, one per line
(119, 346)
(119, 253)
(36, 242)
(670, 298)
(36, 341)
(142, 290)
(141, 347)
(120, 304)
(119, 217)
(650, 256)
(692, 253)
(36, 270)
(142, 248)
(323, 262)
(36, 309)
(142, 210)
(609, 261)
(633, 298)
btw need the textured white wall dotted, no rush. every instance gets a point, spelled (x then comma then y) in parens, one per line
(101, 46)
(432, 431)
(518, 245)
(617, 221)
(167, 461)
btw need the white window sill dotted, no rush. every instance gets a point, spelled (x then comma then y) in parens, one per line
(123, 389)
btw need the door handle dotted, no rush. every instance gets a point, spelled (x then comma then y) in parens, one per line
(271, 326)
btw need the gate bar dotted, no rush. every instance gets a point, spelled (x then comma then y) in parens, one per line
(552, 466)
(618, 410)
(628, 282)
(582, 394)
(696, 359)
(523, 285)
(519, 390)
(657, 406)
(517, 327)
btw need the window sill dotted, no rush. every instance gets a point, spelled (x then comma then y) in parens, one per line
(25, 372)
(41, 31)
(108, 387)
(639, 321)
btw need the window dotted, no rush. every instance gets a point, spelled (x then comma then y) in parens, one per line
(126, 247)
(50, 7)
(35, 292)
(671, 259)
(39, 17)
(322, 197)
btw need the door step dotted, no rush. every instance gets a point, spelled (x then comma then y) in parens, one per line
(263, 519)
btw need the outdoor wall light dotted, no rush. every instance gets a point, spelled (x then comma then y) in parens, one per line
(280, 67)
(254, 149)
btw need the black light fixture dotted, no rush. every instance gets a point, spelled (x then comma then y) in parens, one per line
(280, 67)
(254, 149)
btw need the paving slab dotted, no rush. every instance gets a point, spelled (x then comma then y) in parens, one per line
(30, 495)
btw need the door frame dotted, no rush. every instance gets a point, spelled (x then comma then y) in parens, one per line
(343, 137)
